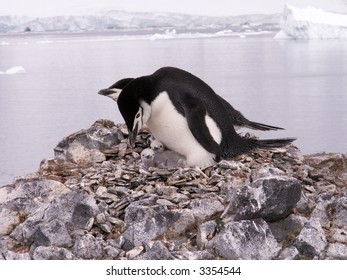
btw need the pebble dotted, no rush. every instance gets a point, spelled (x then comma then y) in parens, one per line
(89, 224)
(226, 164)
(101, 218)
(134, 252)
(167, 190)
(289, 253)
(101, 190)
(107, 227)
(165, 202)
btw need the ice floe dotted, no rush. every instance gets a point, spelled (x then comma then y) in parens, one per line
(13, 70)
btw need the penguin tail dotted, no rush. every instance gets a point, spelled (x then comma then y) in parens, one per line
(271, 143)
(244, 145)
(261, 126)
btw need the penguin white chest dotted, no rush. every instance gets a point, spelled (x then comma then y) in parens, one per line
(171, 128)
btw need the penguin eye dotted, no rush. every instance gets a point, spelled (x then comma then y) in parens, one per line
(137, 115)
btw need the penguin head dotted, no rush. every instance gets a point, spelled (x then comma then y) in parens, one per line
(114, 91)
(157, 146)
(147, 154)
(134, 109)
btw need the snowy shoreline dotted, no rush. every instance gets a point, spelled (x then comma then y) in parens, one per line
(150, 35)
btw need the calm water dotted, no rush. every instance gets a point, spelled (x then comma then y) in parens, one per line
(298, 85)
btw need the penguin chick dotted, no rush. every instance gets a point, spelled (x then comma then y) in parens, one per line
(157, 146)
(147, 157)
(168, 159)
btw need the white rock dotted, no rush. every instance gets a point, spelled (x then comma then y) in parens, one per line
(134, 252)
(101, 190)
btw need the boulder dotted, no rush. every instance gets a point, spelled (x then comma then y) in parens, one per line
(145, 222)
(25, 197)
(311, 241)
(50, 224)
(288, 228)
(86, 146)
(88, 247)
(204, 209)
(270, 198)
(28, 195)
(246, 240)
(184, 223)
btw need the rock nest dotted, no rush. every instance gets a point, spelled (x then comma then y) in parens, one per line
(99, 199)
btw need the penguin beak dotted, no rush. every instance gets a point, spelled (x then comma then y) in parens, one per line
(112, 93)
(133, 134)
(138, 123)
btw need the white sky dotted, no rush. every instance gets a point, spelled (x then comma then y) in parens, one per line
(201, 7)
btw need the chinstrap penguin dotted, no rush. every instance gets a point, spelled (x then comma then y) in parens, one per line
(236, 117)
(187, 116)
(155, 145)
(147, 157)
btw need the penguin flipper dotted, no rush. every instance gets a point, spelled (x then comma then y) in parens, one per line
(195, 113)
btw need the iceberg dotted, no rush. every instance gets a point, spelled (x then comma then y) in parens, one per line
(14, 70)
(311, 23)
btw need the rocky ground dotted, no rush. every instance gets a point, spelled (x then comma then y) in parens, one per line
(95, 200)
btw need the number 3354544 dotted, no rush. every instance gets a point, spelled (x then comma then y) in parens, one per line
(220, 270)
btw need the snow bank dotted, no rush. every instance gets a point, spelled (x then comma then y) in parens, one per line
(14, 70)
(311, 23)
